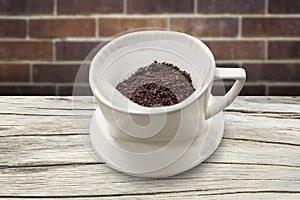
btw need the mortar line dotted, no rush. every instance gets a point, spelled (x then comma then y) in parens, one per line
(195, 6)
(271, 83)
(26, 29)
(40, 84)
(266, 49)
(97, 27)
(168, 23)
(240, 64)
(267, 90)
(251, 83)
(55, 7)
(259, 83)
(30, 73)
(56, 90)
(114, 15)
(53, 50)
(250, 38)
(124, 6)
(289, 61)
(239, 36)
(76, 62)
(106, 38)
(266, 7)
(48, 84)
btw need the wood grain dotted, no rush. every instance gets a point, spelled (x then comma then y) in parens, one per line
(43, 154)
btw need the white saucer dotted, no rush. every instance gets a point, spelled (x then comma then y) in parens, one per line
(200, 149)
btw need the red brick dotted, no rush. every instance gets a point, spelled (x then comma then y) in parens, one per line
(230, 50)
(231, 6)
(284, 90)
(113, 26)
(284, 6)
(14, 72)
(73, 50)
(206, 26)
(89, 6)
(50, 28)
(58, 73)
(25, 50)
(284, 50)
(273, 72)
(27, 90)
(268, 27)
(78, 91)
(12, 28)
(27, 7)
(158, 6)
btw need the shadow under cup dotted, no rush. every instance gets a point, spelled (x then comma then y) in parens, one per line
(123, 56)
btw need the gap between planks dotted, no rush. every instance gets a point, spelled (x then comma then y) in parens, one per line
(101, 163)
(160, 193)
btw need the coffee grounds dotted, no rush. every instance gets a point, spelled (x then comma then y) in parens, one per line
(159, 84)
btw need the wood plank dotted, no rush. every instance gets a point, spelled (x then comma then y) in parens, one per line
(263, 104)
(46, 106)
(20, 125)
(44, 150)
(45, 115)
(97, 179)
(262, 128)
(250, 126)
(50, 105)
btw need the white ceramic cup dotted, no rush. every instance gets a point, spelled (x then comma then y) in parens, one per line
(183, 121)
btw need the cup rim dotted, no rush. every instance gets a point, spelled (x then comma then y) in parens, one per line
(154, 110)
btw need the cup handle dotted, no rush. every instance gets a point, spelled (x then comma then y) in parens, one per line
(237, 74)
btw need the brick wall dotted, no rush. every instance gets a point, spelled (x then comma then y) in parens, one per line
(42, 42)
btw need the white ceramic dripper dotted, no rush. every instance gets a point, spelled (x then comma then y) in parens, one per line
(176, 126)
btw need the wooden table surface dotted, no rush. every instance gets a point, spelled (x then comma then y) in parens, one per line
(42, 154)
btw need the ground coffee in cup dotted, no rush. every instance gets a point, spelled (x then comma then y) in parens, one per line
(158, 84)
